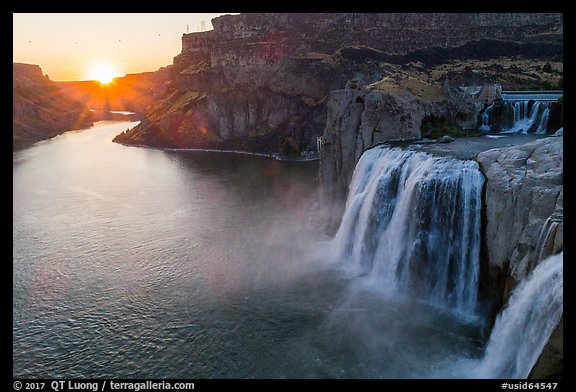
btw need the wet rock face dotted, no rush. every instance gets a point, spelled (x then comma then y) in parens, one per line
(524, 187)
(550, 365)
(522, 213)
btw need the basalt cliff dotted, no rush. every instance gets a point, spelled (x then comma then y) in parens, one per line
(523, 225)
(39, 109)
(335, 85)
(262, 82)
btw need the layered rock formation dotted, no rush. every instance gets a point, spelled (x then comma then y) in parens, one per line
(261, 81)
(392, 32)
(40, 110)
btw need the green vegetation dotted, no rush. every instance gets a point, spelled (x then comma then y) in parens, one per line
(435, 127)
(543, 85)
(547, 67)
(553, 81)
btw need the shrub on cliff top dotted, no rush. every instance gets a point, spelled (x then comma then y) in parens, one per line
(435, 127)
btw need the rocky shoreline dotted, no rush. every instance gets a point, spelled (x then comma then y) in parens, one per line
(241, 152)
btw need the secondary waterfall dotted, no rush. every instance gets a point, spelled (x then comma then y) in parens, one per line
(525, 325)
(412, 225)
(527, 116)
(521, 111)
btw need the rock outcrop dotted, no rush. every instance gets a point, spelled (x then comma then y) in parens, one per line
(358, 119)
(550, 364)
(523, 217)
(523, 207)
(39, 109)
(390, 32)
(261, 81)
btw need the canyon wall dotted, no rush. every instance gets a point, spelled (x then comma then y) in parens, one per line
(390, 32)
(523, 209)
(358, 119)
(270, 75)
(39, 109)
(523, 225)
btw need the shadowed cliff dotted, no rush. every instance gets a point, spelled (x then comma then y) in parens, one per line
(260, 82)
(40, 110)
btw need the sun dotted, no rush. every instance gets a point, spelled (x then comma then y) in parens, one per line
(103, 73)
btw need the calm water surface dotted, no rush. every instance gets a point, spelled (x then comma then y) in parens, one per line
(130, 262)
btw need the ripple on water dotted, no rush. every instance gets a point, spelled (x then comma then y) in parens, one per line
(136, 263)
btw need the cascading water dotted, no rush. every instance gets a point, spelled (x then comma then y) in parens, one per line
(530, 118)
(412, 225)
(548, 234)
(517, 117)
(525, 325)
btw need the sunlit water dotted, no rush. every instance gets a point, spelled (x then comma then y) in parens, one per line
(131, 262)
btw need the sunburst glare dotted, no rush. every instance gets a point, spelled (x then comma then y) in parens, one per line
(104, 73)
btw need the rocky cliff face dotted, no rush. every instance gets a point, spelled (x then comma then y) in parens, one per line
(523, 217)
(523, 208)
(40, 110)
(357, 120)
(261, 81)
(390, 32)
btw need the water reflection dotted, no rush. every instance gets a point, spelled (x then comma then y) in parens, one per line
(130, 262)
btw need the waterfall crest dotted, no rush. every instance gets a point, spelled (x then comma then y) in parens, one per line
(412, 225)
(525, 325)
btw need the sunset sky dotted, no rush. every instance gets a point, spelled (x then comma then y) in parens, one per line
(70, 46)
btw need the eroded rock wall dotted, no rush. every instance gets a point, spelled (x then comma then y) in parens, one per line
(39, 109)
(523, 217)
(356, 121)
(390, 32)
(523, 197)
(306, 56)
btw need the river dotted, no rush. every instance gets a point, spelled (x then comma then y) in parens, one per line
(138, 263)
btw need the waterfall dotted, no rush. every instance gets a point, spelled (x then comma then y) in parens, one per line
(412, 225)
(485, 118)
(527, 116)
(525, 325)
(530, 118)
(521, 110)
(543, 122)
(548, 235)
